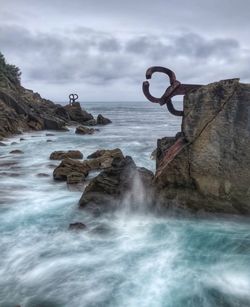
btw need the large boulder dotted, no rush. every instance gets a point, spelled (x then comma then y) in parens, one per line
(103, 158)
(107, 191)
(60, 155)
(69, 166)
(207, 167)
(77, 114)
(101, 120)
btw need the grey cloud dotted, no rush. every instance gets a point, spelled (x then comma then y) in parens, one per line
(184, 44)
(83, 55)
(109, 45)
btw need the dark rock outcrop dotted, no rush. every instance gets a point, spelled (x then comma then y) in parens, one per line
(77, 114)
(75, 171)
(77, 226)
(107, 190)
(60, 155)
(75, 178)
(207, 167)
(101, 120)
(91, 122)
(103, 158)
(69, 166)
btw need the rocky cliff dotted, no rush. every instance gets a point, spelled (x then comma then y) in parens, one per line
(23, 110)
(207, 165)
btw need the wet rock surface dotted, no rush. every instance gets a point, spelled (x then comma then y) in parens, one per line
(208, 167)
(60, 155)
(43, 175)
(75, 172)
(69, 166)
(106, 191)
(77, 226)
(77, 114)
(103, 158)
(101, 120)
(84, 130)
(16, 151)
(91, 122)
(75, 178)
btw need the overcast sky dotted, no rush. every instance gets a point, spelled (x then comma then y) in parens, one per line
(101, 48)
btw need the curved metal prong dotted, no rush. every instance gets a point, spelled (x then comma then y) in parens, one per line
(151, 70)
(172, 109)
(145, 89)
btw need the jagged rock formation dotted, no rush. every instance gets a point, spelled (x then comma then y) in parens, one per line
(74, 171)
(107, 190)
(207, 166)
(23, 110)
(76, 113)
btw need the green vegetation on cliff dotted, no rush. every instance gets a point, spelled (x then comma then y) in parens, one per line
(9, 71)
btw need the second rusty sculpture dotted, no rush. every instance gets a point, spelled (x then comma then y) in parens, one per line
(72, 98)
(175, 88)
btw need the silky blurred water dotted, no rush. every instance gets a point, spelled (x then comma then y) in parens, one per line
(125, 258)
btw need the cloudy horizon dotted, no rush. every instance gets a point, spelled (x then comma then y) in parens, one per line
(102, 51)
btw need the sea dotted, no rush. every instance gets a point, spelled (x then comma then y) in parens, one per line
(126, 258)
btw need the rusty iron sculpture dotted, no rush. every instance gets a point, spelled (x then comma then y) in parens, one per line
(72, 98)
(175, 88)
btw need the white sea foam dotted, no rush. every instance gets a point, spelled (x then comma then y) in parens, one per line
(141, 260)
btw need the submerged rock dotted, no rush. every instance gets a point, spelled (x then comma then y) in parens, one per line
(2, 144)
(77, 226)
(101, 120)
(43, 175)
(84, 130)
(107, 190)
(16, 151)
(60, 155)
(208, 167)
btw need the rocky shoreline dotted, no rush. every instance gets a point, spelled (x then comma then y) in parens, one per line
(205, 167)
(22, 110)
